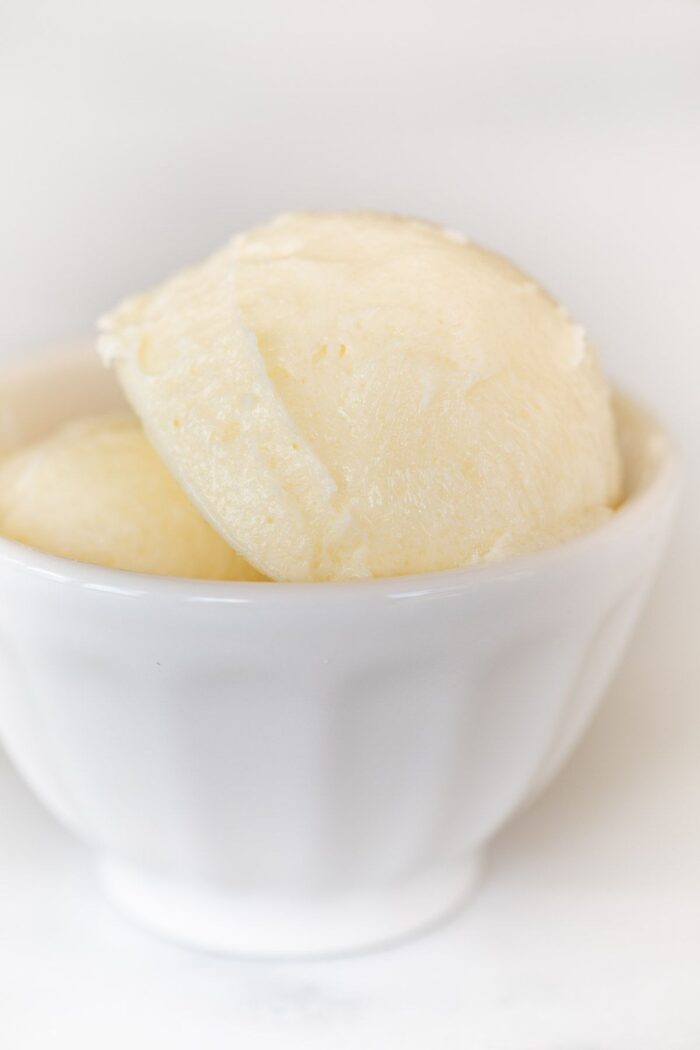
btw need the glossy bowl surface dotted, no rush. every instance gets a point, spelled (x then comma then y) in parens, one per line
(305, 769)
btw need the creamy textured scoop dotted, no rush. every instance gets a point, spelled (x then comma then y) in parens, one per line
(95, 491)
(363, 395)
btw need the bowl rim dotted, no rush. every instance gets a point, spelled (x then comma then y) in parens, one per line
(659, 490)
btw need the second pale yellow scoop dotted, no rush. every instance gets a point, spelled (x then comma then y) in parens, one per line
(95, 491)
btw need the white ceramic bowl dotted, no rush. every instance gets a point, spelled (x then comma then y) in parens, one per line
(284, 769)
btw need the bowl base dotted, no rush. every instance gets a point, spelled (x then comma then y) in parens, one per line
(265, 926)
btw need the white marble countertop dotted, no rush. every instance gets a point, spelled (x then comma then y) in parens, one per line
(568, 135)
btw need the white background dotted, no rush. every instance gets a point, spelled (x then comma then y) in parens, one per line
(136, 137)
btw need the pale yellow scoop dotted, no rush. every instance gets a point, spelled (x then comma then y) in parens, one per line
(95, 491)
(362, 395)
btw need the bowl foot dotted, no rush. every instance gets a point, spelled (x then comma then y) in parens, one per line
(262, 925)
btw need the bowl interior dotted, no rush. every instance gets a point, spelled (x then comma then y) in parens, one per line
(41, 392)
